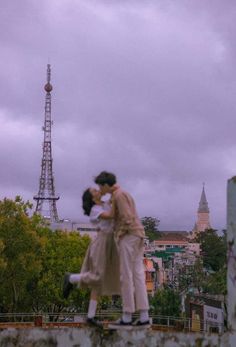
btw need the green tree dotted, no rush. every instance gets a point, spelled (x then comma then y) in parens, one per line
(151, 227)
(196, 275)
(217, 283)
(213, 248)
(166, 302)
(20, 248)
(33, 260)
(208, 274)
(3, 263)
(62, 252)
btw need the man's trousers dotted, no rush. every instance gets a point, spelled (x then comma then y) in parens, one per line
(133, 286)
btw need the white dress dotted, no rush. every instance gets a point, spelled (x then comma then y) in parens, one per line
(100, 269)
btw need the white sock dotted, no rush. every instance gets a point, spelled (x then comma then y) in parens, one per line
(127, 317)
(75, 278)
(144, 316)
(92, 308)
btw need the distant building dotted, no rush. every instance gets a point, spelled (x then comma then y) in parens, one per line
(81, 227)
(206, 312)
(177, 233)
(150, 275)
(171, 255)
(170, 241)
(203, 216)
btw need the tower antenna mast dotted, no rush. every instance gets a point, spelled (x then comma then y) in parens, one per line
(46, 192)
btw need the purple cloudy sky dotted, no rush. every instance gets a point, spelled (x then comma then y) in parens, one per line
(145, 89)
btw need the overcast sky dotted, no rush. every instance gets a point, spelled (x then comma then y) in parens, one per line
(145, 89)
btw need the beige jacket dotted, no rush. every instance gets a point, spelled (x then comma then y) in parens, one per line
(126, 218)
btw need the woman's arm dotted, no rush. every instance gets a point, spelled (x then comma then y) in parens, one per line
(109, 214)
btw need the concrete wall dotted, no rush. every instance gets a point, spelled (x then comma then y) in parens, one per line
(89, 337)
(231, 266)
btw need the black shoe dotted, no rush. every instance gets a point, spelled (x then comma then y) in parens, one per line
(138, 323)
(94, 322)
(67, 286)
(120, 324)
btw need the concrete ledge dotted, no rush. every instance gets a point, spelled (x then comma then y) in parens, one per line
(89, 337)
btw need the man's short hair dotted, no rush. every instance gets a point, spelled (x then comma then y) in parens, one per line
(105, 178)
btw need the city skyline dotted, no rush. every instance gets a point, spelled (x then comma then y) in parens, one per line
(146, 91)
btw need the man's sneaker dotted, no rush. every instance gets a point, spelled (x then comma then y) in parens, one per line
(67, 286)
(94, 322)
(145, 324)
(120, 324)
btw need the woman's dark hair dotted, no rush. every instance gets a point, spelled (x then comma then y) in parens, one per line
(88, 202)
(105, 178)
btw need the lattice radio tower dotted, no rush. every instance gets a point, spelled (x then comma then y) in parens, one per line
(46, 193)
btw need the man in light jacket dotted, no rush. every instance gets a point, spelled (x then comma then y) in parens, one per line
(130, 234)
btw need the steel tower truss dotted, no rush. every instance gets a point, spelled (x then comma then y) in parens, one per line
(46, 193)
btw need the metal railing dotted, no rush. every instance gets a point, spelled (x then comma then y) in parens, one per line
(78, 319)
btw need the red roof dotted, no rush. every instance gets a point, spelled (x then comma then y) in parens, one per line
(173, 237)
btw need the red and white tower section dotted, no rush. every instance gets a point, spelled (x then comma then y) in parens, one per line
(46, 197)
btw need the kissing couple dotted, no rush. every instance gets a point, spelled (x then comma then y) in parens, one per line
(113, 264)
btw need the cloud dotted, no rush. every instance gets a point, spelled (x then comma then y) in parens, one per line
(144, 89)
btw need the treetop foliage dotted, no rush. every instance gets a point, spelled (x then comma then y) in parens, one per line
(33, 260)
(151, 227)
(213, 249)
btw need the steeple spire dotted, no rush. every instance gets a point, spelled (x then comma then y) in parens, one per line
(203, 215)
(203, 204)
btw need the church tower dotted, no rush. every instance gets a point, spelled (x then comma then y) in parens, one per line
(203, 215)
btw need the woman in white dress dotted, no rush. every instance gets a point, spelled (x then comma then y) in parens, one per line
(100, 269)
